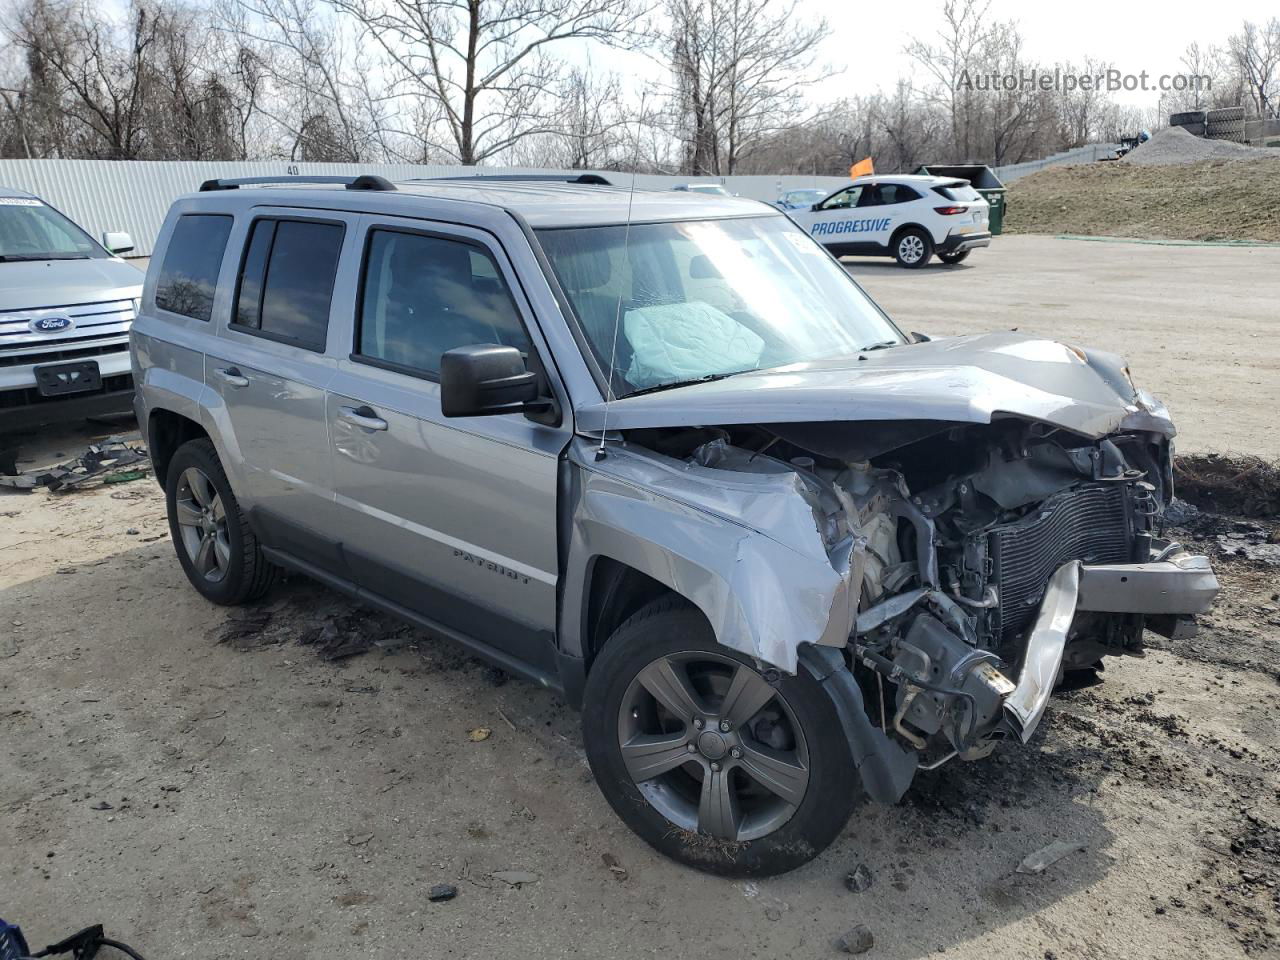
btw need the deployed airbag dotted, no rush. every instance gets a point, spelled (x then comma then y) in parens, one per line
(671, 342)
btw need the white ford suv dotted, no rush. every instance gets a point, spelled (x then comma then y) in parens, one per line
(909, 218)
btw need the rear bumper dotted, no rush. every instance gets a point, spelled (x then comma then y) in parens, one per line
(960, 242)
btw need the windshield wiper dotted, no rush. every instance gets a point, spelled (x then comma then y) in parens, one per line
(881, 345)
(15, 257)
(657, 388)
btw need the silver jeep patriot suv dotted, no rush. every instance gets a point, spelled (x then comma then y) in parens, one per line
(658, 452)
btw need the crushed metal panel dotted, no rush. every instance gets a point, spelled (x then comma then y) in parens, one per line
(1048, 638)
(765, 588)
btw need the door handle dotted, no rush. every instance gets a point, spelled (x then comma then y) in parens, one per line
(362, 417)
(231, 377)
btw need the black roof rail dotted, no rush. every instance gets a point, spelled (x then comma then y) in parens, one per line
(589, 179)
(365, 181)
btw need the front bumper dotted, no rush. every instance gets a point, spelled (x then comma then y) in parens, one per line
(1173, 584)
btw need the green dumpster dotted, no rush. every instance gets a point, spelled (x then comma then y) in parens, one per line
(984, 181)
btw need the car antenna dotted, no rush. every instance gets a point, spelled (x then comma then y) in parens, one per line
(601, 453)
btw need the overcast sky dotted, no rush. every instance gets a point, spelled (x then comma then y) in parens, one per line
(1135, 36)
(867, 41)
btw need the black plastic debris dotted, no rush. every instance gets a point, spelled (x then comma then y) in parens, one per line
(114, 460)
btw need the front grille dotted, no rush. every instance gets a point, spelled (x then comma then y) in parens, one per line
(56, 356)
(1090, 524)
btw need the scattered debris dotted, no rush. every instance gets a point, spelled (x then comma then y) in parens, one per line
(1245, 486)
(441, 892)
(859, 879)
(114, 460)
(478, 734)
(858, 940)
(1047, 856)
(515, 878)
(619, 872)
(360, 839)
(240, 624)
(102, 805)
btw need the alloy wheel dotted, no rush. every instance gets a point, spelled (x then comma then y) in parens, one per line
(202, 521)
(911, 248)
(713, 746)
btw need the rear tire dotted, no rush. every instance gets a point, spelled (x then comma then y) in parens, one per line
(219, 553)
(912, 248)
(954, 258)
(759, 780)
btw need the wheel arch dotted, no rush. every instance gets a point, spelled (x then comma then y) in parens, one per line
(167, 430)
(913, 225)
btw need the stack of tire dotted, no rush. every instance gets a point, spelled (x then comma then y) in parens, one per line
(1191, 121)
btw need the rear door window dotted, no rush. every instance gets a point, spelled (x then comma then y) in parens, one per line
(424, 295)
(286, 281)
(891, 193)
(189, 271)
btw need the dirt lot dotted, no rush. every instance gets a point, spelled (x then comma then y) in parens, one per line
(1197, 324)
(1208, 200)
(290, 780)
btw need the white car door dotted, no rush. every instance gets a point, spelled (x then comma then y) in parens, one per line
(848, 222)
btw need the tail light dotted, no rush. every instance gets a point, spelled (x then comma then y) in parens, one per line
(950, 211)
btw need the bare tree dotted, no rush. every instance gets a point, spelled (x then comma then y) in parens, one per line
(739, 67)
(1256, 50)
(484, 64)
(956, 60)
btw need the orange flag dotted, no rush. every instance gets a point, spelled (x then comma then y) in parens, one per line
(863, 168)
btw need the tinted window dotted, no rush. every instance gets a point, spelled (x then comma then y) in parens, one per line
(189, 272)
(286, 281)
(425, 295)
(897, 193)
(959, 192)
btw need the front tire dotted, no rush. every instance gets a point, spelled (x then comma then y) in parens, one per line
(912, 248)
(709, 761)
(219, 553)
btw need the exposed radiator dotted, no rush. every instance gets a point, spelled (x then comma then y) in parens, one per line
(1092, 524)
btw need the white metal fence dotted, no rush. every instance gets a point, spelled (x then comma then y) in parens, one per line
(1086, 154)
(134, 196)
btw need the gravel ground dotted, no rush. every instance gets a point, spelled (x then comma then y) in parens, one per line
(1175, 145)
(1197, 324)
(289, 781)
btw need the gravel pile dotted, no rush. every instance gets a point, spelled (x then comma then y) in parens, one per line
(1174, 145)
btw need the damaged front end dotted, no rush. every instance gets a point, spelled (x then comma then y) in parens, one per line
(946, 574)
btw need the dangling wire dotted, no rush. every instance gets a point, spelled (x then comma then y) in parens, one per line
(617, 317)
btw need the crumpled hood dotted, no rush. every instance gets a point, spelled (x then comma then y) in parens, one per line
(29, 285)
(971, 379)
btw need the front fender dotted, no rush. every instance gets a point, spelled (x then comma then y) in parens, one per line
(764, 593)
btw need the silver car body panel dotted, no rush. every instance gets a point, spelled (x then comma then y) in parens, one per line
(1043, 657)
(743, 547)
(972, 379)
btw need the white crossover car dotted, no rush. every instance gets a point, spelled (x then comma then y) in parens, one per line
(907, 217)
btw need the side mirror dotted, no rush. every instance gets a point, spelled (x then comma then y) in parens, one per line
(117, 242)
(917, 337)
(817, 206)
(484, 380)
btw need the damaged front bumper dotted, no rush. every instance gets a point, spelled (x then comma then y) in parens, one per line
(1175, 585)
(949, 687)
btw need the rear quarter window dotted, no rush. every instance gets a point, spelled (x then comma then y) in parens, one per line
(958, 193)
(189, 270)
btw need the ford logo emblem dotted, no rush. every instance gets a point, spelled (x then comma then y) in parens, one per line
(50, 324)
